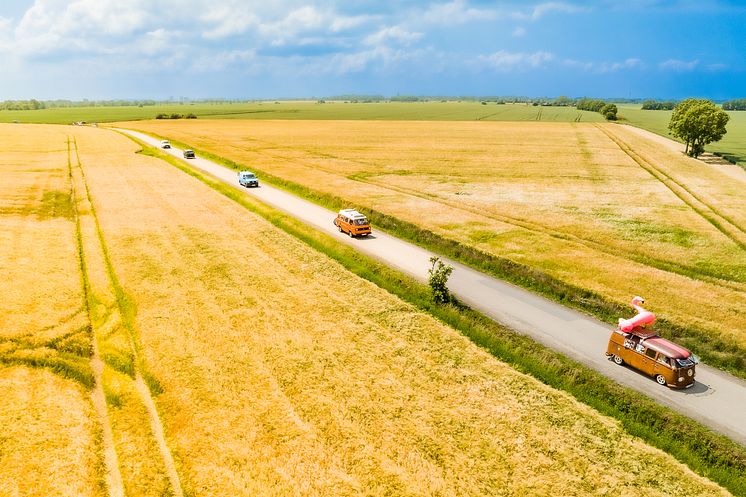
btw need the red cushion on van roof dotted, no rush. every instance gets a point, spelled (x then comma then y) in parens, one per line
(667, 348)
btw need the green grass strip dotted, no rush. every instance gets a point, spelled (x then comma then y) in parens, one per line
(709, 454)
(722, 353)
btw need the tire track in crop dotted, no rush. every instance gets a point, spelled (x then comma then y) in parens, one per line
(145, 393)
(662, 265)
(113, 476)
(708, 212)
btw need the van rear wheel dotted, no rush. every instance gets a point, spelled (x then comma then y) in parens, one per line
(618, 360)
(661, 379)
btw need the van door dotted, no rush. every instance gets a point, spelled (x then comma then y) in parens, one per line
(647, 361)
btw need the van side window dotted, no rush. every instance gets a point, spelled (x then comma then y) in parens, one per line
(650, 353)
(664, 360)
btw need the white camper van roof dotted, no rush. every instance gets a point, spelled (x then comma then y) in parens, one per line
(352, 214)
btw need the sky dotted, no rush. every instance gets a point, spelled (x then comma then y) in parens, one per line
(246, 49)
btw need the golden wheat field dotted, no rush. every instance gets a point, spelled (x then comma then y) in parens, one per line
(48, 430)
(595, 205)
(279, 373)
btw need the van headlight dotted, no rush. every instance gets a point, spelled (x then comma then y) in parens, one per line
(689, 373)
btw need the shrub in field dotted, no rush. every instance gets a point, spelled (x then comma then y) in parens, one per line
(735, 104)
(161, 116)
(191, 116)
(439, 274)
(654, 105)
(609, 112)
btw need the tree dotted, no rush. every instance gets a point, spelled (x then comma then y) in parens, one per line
(698, 122)
(439, 274)
(736, 104)
(609, 112)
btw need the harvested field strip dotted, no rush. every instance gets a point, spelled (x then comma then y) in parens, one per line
(723, 223)
(639, 415)
(151, 469)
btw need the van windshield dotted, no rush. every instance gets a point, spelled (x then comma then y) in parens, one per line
(361, 222)
(684, 363)
(249, 176)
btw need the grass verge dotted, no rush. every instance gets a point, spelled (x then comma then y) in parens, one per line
(716, 351)
(709, 454)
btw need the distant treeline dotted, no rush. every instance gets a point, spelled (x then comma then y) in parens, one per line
(21, 105)
(34, 104)
(656, 105)
(735, 104)
(608, 110)
(176, 116)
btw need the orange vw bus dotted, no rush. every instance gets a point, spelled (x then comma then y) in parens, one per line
(670, 364)
(353, 223)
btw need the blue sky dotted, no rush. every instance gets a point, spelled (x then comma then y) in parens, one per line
(101, 49)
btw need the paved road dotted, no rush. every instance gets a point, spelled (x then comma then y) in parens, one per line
(717, 400)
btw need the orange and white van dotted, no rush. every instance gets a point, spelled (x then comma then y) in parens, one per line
(353, 223)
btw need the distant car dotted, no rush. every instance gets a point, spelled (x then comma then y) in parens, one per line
(189, 154)
(165, 144)
(247, 179)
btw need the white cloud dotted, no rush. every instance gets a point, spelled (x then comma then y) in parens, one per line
(678, 65)
(393, 33)
(456, 12)
(519, 31)
(343, 23)
(506, 61)
(631, 63)
(222, 60)
(605, 67)
(460, 12)
(717, 67)
(228, 20)
(564, 8)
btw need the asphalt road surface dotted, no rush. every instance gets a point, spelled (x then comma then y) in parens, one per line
(717, 399)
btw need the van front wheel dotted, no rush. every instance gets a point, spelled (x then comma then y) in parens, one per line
(618, 360)
(661, 379)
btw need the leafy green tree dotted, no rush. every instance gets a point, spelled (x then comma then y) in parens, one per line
(735, 104)
(439, 274)
(698, 122)
(609, 112)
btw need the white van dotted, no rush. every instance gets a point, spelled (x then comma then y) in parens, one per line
(165, 144)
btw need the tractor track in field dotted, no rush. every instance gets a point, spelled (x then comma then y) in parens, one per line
(112, 475)
(667, 266)
(709, 213)
(114, 479)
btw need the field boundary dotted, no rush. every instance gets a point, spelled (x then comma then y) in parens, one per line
(717, 351)
(709, 454)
